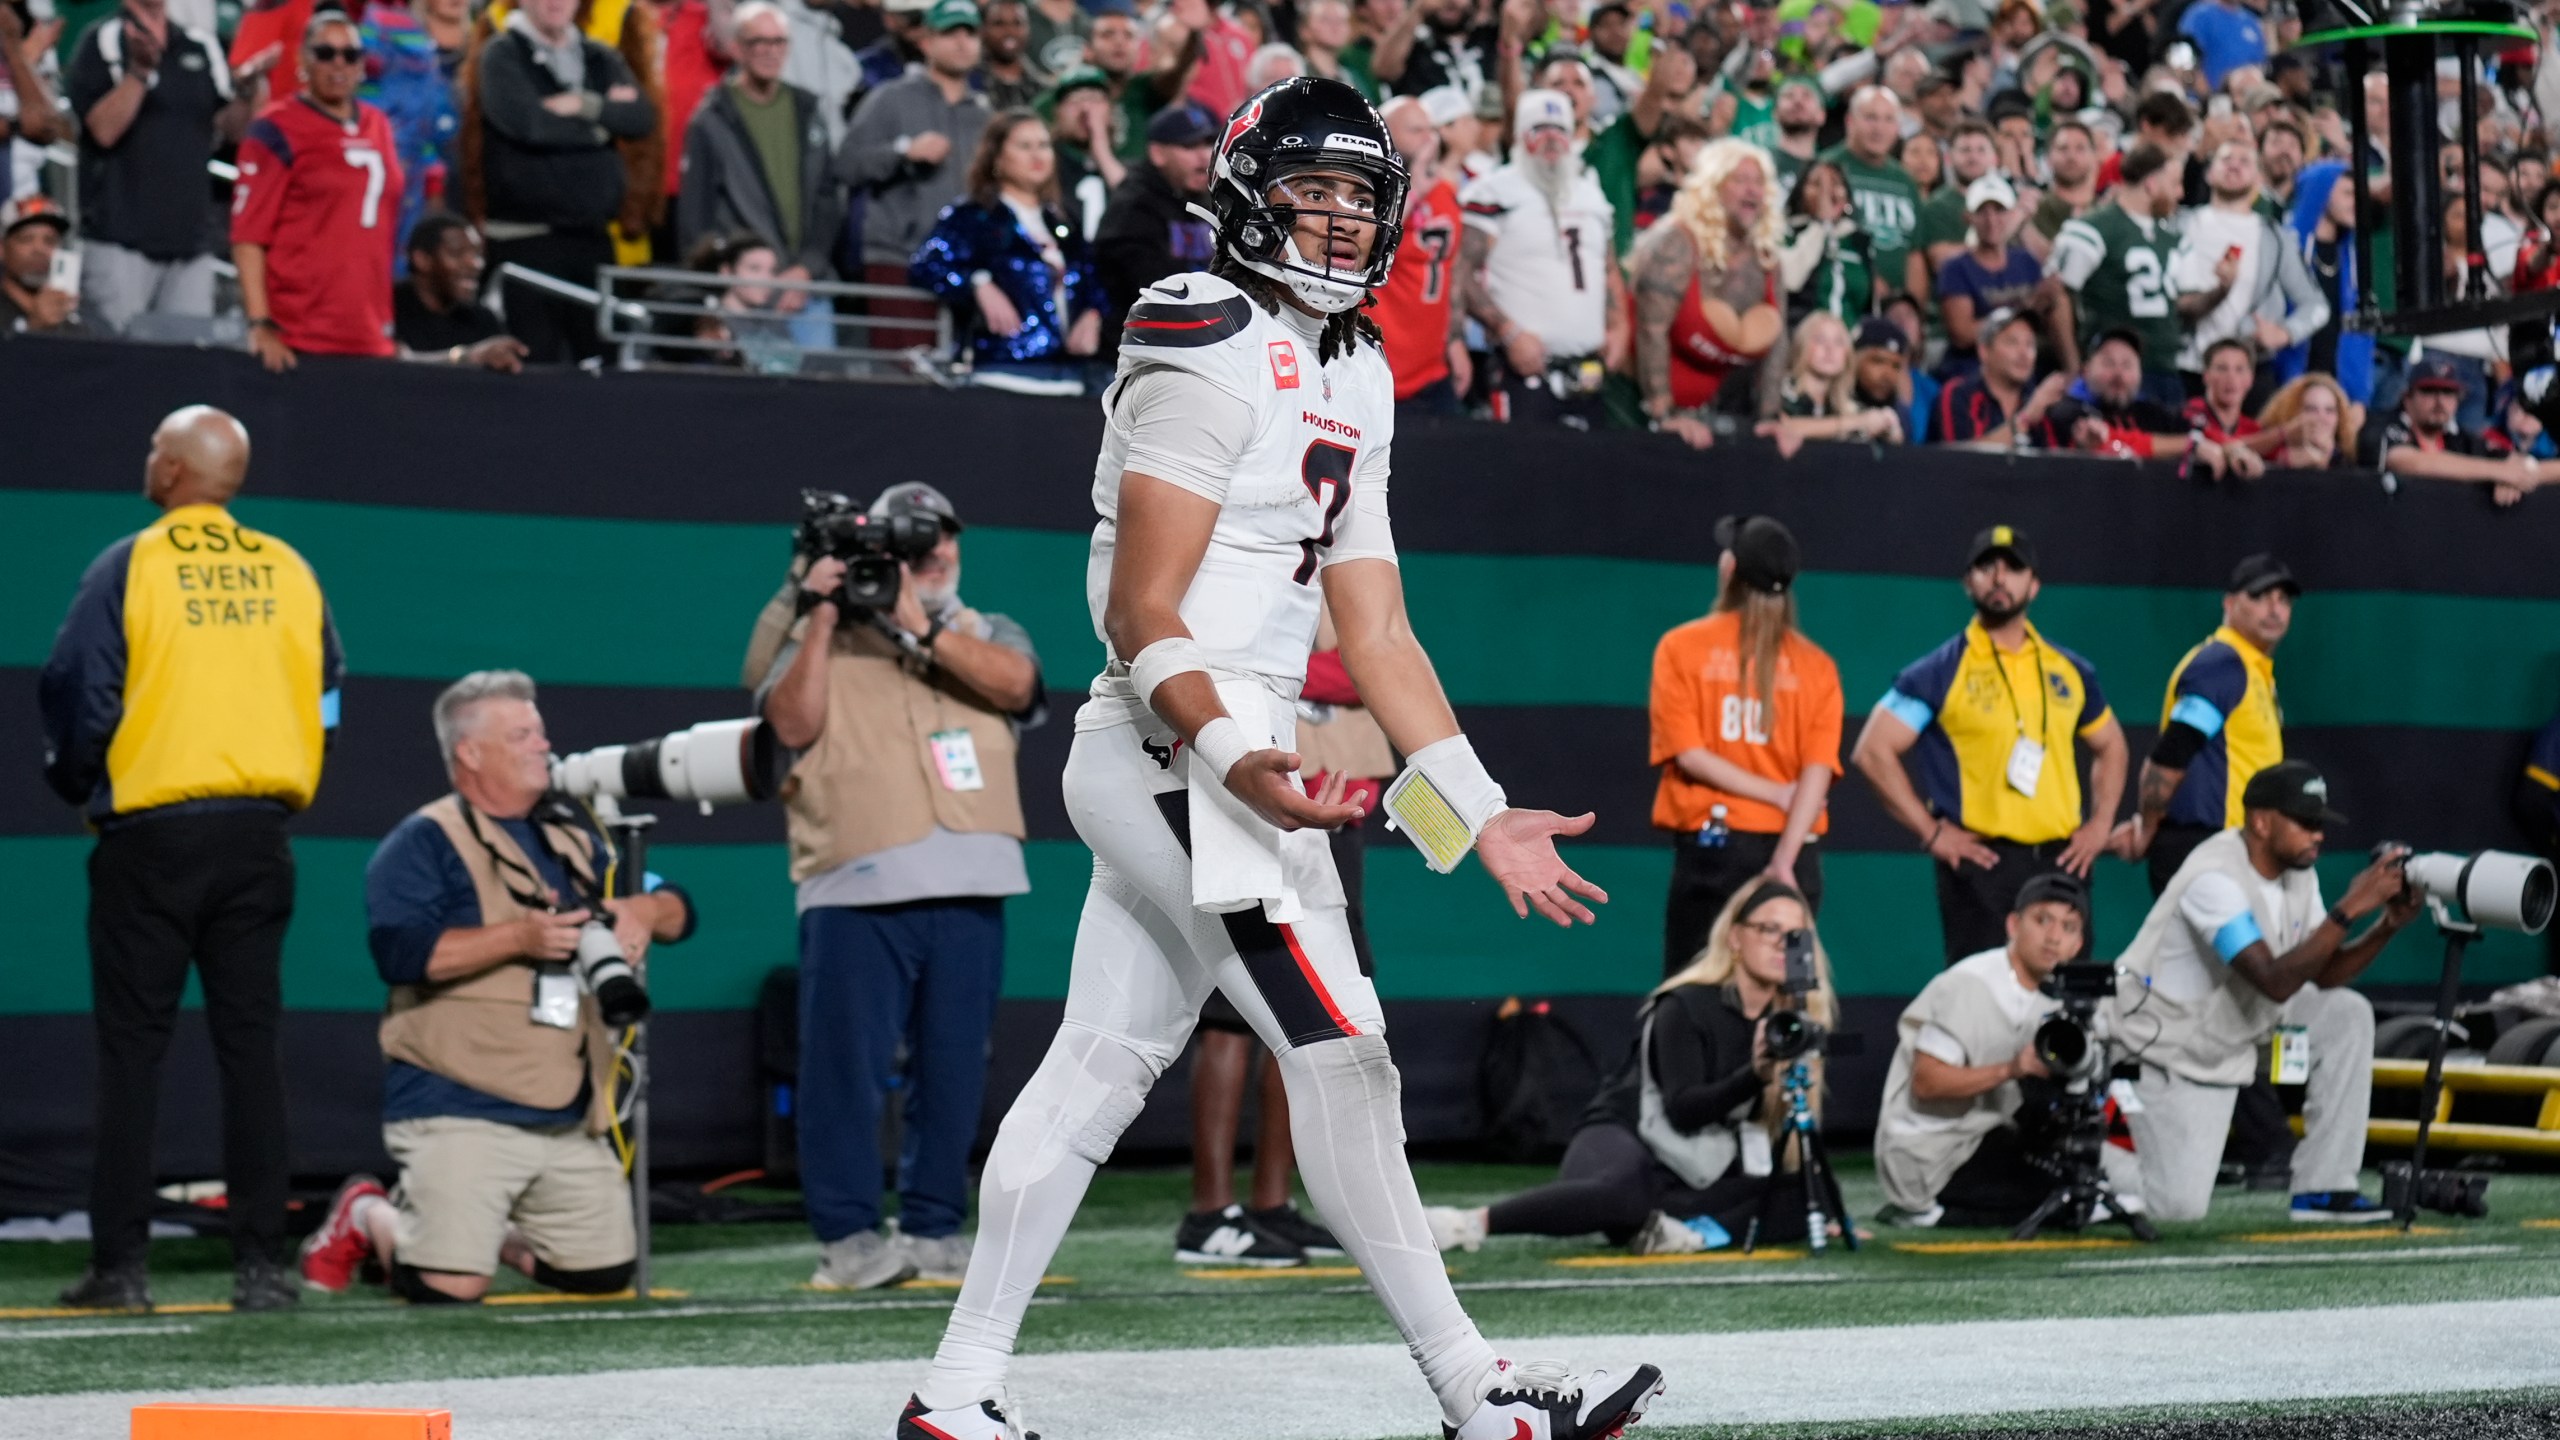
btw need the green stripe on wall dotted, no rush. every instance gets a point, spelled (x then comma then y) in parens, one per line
(1436, 936)
(430, 594)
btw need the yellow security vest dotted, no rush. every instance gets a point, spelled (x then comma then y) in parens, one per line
(225, 653)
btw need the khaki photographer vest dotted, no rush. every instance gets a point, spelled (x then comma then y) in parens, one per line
(479, 1030)
(869, 783)
(2212, 1039)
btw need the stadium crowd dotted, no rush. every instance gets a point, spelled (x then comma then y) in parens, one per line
(2121, 228)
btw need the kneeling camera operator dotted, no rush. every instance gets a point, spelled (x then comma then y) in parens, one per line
(509, 955)
(2239, 949)
(1957, 1139)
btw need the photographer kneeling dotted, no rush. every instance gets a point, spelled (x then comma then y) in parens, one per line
(493, 1096)
(1674, 1153)
(2238, 948)
(1948, 1149)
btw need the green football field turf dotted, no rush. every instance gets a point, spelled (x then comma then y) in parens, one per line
(739, 1297)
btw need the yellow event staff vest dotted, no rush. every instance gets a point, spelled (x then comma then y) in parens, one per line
(479, 1030)
(225, 651)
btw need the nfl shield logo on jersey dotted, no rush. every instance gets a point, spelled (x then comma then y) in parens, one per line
(1284, 365)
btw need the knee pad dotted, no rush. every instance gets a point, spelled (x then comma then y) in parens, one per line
(1351, 1069)
(605, 1281)
(1087, 1090)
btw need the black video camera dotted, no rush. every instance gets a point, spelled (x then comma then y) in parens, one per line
(874, 548)
(2067, 1041)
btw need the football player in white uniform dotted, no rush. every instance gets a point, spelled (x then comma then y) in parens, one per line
(1245, 464)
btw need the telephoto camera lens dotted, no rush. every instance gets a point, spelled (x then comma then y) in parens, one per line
(606, 974)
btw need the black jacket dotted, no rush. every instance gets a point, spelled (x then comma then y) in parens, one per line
(1701, 1059)
(725, 191)
(1146, 234)
(556, 170)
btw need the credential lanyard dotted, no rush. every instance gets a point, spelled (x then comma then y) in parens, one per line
(2044, 719)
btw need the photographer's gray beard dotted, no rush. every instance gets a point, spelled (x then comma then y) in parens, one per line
(939, 598)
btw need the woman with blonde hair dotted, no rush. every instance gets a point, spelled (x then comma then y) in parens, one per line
(1708, 297)
(2314, 424)
(1818, 400)
(1676, 1152)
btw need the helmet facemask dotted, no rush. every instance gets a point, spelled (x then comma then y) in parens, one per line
(1347, 197)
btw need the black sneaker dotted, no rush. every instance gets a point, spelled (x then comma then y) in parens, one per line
(124, 1288)
(1229, 1237)
(258, 1283)
(1290, 1226)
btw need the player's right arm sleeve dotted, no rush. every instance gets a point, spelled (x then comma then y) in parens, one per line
(415, 889)
(2076, 253)
(81, 689)
(2219, 914)
(1184, 429)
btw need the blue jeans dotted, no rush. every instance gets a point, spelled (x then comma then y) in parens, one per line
(925, 975)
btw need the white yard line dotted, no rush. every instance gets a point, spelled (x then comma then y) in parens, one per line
(89, 1332)
(1342, 1391)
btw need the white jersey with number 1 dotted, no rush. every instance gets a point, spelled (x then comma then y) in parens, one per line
(1228, 401)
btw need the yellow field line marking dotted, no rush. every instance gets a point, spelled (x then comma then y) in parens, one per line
(2003, 1247)
(1281, 1272)
(57, 1312)
(2369, 1232)
(2546, 1224)
(1704, 1257)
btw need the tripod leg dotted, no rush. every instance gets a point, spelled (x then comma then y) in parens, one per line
(1818, 1171)
(2141, 1228)
(2028, 1227)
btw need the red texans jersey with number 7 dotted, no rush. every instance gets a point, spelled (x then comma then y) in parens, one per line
(323, 196)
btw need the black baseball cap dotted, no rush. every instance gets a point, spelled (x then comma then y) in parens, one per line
(916, 498)
(1877, 333)
(2054, 887)
(1764, 552)
(2433, 372)
(2006, 540)
(1184, 124)
(2125, 333)
(2257, 574)
(2293, 789)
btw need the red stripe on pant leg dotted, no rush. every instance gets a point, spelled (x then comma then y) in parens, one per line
(1324, 997)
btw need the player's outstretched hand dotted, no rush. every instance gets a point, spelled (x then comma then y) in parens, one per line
(1519, 850)
(1261, 780)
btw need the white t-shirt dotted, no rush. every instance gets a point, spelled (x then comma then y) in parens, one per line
(2023, 1008)
(2207, 233)
(1230, 403)
(2219, 924)
(1549, 268)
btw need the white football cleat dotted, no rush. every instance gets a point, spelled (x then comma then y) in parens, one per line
(1454, 1229)
(988, 1419)
(1543, 1400)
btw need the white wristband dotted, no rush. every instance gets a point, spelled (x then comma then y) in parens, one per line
(1219, 745)
(1162, 661)
(1443, 800)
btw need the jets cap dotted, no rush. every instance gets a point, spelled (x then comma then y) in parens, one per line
(2295, 790)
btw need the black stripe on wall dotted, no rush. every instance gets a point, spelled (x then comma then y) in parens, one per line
(730, 448)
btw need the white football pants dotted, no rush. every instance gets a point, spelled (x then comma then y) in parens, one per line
(1145, 960)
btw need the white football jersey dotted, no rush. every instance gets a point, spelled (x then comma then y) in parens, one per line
(1228, 401)
(1549, 268)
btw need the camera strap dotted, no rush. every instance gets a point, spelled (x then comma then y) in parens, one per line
(533, 893)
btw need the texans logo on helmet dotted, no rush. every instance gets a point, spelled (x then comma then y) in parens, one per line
(1246, 119)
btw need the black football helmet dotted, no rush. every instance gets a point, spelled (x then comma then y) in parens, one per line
(1291, 127)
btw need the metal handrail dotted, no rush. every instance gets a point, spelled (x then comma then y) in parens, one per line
(642, 294)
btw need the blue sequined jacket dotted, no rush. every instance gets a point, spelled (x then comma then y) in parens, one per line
(970, 237)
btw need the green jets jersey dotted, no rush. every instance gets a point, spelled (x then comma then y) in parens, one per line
(2118, 270)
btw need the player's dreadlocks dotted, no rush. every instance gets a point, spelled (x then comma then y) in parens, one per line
(1343, 330)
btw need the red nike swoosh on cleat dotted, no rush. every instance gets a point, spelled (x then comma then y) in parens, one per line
(936, 1431)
